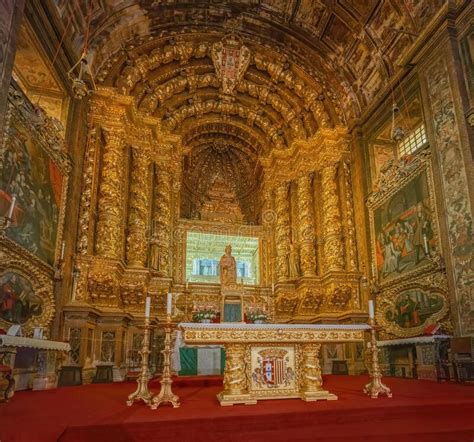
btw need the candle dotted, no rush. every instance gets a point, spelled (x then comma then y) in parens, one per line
(273, 288)
(63, 247)
(12, 207)
(169, 303)
(371, 309)
(425, 242)
(147, 307)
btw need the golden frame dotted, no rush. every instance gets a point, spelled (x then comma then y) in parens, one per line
(397, 177)
(48, 137)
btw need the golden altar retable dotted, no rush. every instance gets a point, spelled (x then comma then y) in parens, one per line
(271, 361)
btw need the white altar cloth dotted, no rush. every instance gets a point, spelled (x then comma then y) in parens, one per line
(40, 344)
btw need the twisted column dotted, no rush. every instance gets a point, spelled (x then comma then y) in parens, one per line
(109, 240)
(333, 249)
(349, 226)
(282, 231)
(306, 226)
(160, 256)
(137, 243)
(85, 211)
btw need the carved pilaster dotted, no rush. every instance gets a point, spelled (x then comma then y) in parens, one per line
(85, 215)
(160, 256)
(137, 243)
(349, 227)
(306, 226)
(110, 234)
(282, 231)
(332, 228)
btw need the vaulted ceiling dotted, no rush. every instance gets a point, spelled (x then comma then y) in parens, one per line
(313, 64)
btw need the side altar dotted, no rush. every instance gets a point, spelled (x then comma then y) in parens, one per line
(271, 361)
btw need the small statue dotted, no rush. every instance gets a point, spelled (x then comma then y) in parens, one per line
(228, 268)
(293, 262)
(155, 256)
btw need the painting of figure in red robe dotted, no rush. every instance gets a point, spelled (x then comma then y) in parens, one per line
(404, 233)
(18, 302)
(413, 308)
(30, 188)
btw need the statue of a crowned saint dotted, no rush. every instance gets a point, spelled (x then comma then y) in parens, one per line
(228, 269)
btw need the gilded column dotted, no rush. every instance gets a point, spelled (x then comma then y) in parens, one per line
(349, 227)
(160, 256)
(110, 232)
(86, 194)
(333, 248)
(137, 243)
(282, 231)
(311, 378)
(306, 226)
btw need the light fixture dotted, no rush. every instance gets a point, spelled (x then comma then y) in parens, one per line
(397, 133)
(79, 86)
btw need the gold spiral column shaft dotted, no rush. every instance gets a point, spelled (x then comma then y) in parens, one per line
(110, 232)
(282, 231)
(333, 249)
(306, 226)
(137, 243)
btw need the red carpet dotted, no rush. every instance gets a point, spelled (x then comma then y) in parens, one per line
(420, 411)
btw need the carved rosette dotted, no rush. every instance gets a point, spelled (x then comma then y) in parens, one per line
(86, 195)
(332, 229)
(162, 219)
(137, 243)
(109, 241)
(282, 231)
(349, 226)
(306, 226)
(235, 379)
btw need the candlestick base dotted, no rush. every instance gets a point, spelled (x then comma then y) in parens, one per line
(166, 395)
(375, 387)
(142, 393)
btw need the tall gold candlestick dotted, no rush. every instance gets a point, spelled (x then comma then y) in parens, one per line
(375, 387)
(142, 392)
(166, 395)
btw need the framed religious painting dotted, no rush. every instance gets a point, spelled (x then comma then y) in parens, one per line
(403, 221)
(415, 307)
(26, 297)
(33, 179)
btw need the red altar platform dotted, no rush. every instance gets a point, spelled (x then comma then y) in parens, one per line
(420, 411)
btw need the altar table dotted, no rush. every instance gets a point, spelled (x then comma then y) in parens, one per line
(33, 361)
(271, 361)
